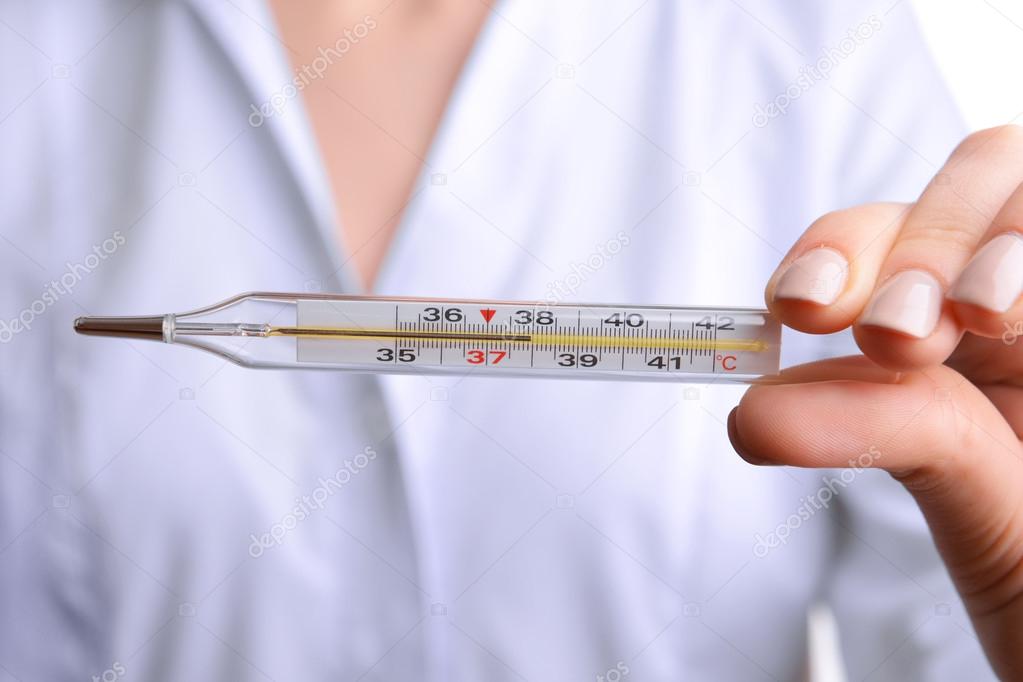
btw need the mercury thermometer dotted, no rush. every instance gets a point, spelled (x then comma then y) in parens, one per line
(466, 336)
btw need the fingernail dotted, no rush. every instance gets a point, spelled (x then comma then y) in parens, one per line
(817, 276)
(993, 279)
(909, 302)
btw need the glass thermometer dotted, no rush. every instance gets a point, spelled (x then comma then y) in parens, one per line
(465, 336)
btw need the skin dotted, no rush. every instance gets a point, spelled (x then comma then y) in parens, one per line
(946, 411)
(376, 109)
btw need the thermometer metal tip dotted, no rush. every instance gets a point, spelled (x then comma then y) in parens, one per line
(149, 327)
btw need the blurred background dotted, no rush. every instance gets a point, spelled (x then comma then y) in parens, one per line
(979, 47)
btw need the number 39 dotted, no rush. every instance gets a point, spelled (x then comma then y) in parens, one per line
(570, 360)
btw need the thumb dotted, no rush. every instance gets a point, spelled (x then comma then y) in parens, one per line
(937, 434)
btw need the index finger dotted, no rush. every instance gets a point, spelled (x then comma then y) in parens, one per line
(824, 282)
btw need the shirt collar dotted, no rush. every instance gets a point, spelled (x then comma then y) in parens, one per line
(246, 32)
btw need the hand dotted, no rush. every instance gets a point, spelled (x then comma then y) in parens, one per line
(933, 293)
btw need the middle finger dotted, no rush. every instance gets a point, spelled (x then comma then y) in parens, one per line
(906, 323)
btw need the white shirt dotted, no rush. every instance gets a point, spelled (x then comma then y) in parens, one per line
(503, 529)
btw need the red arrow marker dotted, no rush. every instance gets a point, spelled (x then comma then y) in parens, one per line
(487, 313)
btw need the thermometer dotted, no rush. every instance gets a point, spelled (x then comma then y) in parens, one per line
(467, 336)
